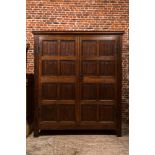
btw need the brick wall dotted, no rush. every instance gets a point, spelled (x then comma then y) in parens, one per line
(81, 15)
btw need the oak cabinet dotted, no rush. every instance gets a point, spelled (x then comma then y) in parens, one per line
(77, 81)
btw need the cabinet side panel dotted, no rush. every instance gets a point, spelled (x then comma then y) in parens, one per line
(36, 76)
(119, 85)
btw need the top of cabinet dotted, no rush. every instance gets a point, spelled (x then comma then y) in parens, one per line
(78, 32)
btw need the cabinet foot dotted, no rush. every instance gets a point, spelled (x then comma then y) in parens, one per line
(119, 133)
(36, 133)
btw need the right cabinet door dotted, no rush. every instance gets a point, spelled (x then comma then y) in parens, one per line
(98, 80)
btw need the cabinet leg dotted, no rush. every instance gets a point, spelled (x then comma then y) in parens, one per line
(36, 133)
(119, 133)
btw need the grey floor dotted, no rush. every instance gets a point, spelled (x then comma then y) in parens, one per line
(77, 145)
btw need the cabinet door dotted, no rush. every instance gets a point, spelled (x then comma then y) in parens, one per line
(98, 80)
(58, 79)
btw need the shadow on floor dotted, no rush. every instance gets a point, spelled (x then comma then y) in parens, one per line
(76, 132)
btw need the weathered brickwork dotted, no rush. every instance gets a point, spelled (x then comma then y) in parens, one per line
(80, 15)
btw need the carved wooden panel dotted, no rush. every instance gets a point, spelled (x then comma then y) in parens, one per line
(107, 47)
(67, 48)
(89, 67)
(67, 112)
(89, 48)
(67, 67)
(107, 68)
(50, 47)
(49, 91)
(106, 113)
(89, 91)
(48, 113)
(107, 91)
(67, 91)
(49, 67)
(89, 112)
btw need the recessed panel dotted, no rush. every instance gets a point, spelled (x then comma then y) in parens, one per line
(106, 113)
(48, 113)
(49, 91)
(67, 48)
(89, 91)
(89, 67)
(67, 67)
(50, 47)
(67, 91)
(107, 48)
(49, 67)
(107, 91)
(89, 48)
(89, 112)
(67, 112)
(107, 68)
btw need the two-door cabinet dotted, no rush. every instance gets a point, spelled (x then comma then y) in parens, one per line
(77, 81)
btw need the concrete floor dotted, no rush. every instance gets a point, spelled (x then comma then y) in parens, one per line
(71, 144)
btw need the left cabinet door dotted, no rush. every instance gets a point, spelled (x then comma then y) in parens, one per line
(58, 81)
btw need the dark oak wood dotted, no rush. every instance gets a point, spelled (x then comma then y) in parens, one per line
(36, 89)
(30, 98)
(78, 32)
(77, 80)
